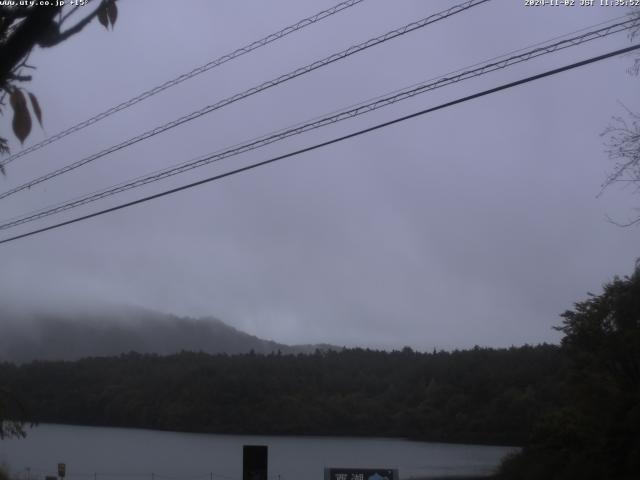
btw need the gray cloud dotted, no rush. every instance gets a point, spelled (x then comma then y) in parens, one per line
(475, 225)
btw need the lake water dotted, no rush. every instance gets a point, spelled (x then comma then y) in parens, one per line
(93, 453)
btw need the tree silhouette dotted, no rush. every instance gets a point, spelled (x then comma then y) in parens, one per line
(22, 28)
(595, 432)
(623, 142)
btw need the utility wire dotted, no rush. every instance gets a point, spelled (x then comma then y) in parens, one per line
(379, 102)
(468, 67)
(252, 91)
(186, 76)
(497, 57)
(318, 122)
(511, 52)
(490, 91)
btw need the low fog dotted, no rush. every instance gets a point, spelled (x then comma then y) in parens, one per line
(478, 224)
(93, 330)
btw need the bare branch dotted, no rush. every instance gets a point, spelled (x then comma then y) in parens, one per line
(622, 145)
(73, 10)
(56, 37)
(19, 78)
(630, 223)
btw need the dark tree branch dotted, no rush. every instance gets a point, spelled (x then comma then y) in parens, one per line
(70, 12)
(20, 78)
(12, 13)
(24, 38)
(59, 37)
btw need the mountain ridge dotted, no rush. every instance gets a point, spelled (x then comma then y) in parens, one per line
(79, 332)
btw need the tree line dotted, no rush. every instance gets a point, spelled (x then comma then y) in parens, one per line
(480, 395)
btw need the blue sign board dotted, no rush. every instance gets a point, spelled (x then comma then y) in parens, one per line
(360, 474)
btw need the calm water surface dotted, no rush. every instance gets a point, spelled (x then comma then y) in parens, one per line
(93, 453)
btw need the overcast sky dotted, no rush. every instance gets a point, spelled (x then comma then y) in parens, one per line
(478, 224)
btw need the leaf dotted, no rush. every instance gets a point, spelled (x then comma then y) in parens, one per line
(36, 107)
(112, 12)
(21, 117)
(4, 146)
(103, 17)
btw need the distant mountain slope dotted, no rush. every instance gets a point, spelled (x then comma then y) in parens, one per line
(105, 331)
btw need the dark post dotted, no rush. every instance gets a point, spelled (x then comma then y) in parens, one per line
(62, 470)
(254, 462)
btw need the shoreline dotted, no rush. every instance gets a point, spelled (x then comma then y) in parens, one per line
(29, 426)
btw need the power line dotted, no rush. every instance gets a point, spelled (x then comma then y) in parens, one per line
(498, 57)
(490, 91)
(186, 76)
(254, 90)
(519, 50)
(360, 109)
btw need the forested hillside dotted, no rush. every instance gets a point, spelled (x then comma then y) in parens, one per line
(479, 395)
(106, 330)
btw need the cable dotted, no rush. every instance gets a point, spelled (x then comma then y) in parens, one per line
(512, 52)
(301, 128)
(252, 91)
(361, 109)
(30, 214)
(186, 76)
(490, 91)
